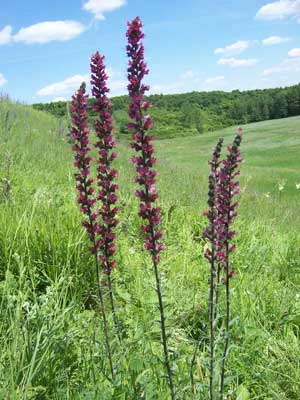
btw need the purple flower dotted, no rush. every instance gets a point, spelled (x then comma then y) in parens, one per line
(141, 141)
(227, 189)
(144, 162)
(80, 135)
(222, 210)
(105, 173)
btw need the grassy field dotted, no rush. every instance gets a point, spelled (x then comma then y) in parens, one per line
(50, 327)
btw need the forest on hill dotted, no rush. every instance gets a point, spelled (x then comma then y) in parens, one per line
(198, 112)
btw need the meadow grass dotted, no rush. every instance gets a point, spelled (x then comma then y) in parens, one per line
(50, 326)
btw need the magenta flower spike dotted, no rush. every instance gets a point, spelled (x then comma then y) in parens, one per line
(222, 210)
(145, 173)
(210, 233)
(105, 173)
(142, 141)
(80, 135)
(86, 198)
(227, 189)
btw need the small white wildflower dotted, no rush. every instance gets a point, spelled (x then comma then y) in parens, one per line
(281, 186)
(131, 250)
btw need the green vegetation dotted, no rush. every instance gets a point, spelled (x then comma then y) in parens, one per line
(50, 327)
(197, 112)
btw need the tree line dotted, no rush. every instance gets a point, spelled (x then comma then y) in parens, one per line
(198, 112)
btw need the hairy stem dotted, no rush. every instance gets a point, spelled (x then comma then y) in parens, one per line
(227, 319)
(217, 290)
(192, 365)
(211, 324)
(100, 294)
(163, 330)
(112, 305)
(105, 324)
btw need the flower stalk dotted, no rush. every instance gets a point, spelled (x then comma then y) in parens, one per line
(227, 189)
(106, 175)
(210, 255)
(86, 199)
(145, 173)
(222, 210)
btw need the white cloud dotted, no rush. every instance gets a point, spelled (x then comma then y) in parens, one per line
(287, 65)
(294, 52)
(214, 79)
(116, 82)
(234, 48)
(47, 31)
(238, 62)
(100, 7)
(270, 41)
(117, 87)
(187, 82)
(176, 87)
(64, 89)
(280, 9)
(5, 35)
(2, 79)
(189, 74)
(58, 99)
(67, 86)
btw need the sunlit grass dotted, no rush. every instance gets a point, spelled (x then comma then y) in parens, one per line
(50, 329)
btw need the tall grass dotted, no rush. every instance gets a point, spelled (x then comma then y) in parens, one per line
(47, 318)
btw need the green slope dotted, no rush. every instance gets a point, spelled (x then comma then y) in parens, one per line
(47, 280)
(188, 114)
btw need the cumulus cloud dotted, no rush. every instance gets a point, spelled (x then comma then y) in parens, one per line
(176, 87)
(5, 35)
(294, 52)
(287, 65)
(48, 31)
(58, 99)
(188, 82)
(67, 86)
(117, 87)
(116, 82)
(272, 40)
(2, 79)
(100, 7)
(214, 79)
(280, 9)
(189, 74)
(234, 48)
(238, 62)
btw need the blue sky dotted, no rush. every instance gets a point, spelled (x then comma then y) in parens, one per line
(45, 46)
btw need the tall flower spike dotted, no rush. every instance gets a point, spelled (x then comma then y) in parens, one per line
(105, 173)
(142, 142)
(80, 135)
(227, 189)
(210, 233)
(144, 162)
(222, 210)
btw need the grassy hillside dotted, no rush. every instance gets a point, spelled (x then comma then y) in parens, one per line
(191, 114)
(50, 329)
(270, 152)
